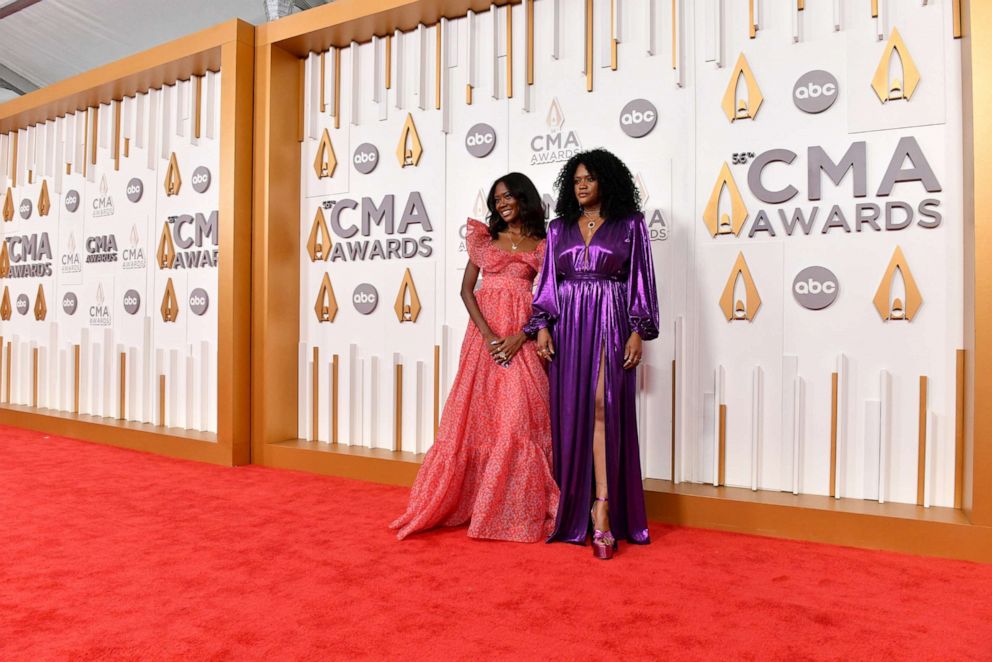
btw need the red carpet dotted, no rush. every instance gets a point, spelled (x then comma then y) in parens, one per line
(111, 554)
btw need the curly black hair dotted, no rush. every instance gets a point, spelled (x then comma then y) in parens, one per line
(617, 191)
(529, 206)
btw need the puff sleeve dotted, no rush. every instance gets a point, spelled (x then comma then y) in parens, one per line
(476, 239)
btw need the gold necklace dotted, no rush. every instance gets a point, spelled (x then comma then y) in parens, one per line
(515, 244)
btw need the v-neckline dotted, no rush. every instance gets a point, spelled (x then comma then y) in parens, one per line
(585, 243)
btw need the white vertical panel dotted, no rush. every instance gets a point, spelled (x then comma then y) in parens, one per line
(4, 158)
(796, 18)
(798, 434)
(58, 155)
(884, 427)
(679, 471)
(720, 378)
(53, 365)
(303, 431)
(356, 83)
(62, 383)
(930, 461)
(757, 412)
(370, 418)
(160, 368)
(110, 375)
(134, 381)
(120, 386)
(446, 49)
(378, 68)
(873, 422)
(104, 125)
(210, 101)
(313, 96)
(51, 141)
(881, 22)
(421, 91)
(422, 405)
(182, 95)
(838, 18)
(472, 46)
(206, 398)
(399, 77)
(499, 50)
(190, 422)
(556, 37)
(140, 118)
(148, 378)
(151, 127)
(42, 376)
(679, 37)
(843, 391)
(790, 373)
(96, 373)
(602, 35)
(352, 393)
(164, 126)
(84, 371)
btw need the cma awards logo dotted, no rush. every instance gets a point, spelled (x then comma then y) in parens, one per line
(26, 256)
(658, 225)
(896, 76)
(726, 212)
(99, 310)
(558, 144)
(740, 300)
(188, 242)
(133, 255)
(103, 204)
(394, 222)
(101, 248)
(743, 97)
(70, 258)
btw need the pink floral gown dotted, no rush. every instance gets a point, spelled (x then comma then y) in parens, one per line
(491, 463)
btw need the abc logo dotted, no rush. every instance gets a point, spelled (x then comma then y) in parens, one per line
(815, 91)
(25, 208)
(69, 303)
(23, 304)
(366, 158)
(638, 117)
(200, 179)
(815, 288)
(71, 201)
(199, 301)
(132, 302)
(365, 298)
(480, 140)
(135, 188)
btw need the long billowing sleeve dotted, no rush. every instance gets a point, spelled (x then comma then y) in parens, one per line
(545, 307)
(642, 292)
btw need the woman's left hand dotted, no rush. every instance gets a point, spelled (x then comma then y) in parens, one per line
(632, 351)
(508, 347)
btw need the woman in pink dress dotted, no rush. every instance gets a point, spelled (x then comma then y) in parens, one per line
(491, 463)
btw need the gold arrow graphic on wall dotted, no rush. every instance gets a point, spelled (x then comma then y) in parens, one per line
(888, 304)
(319, 244)
(8, 206)
(731, 223)
(4, 259)
(737, 309)
(166, 253)
(5, 305)
(409, 150)
(173, 180)
(733, 106)
(325, 162)
(407, 304)
(326, 306)
(170, 305)
(900, 87)
(40, 309)
(44, 201)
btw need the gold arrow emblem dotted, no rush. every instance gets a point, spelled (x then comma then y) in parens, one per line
(173, 180)
(407, 312)
(44, 201)
(4, 259)
(319, 244)
(409, 150)
(170, 305)
(899, 87)
(8, 206)
(40, 309)
(325, 162)
(326, 307)
(734, 107)
(736, 309)
(731, 223)
(166, 253)
(5, 305)
(894, 308)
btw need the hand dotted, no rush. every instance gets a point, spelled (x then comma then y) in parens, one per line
(545, 348)
(491, 340)
(508, 347)
(632, 351)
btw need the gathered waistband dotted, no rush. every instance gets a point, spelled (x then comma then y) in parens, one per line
(590, 275)
(494, 281)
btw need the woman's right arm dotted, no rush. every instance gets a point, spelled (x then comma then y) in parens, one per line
(472, 305)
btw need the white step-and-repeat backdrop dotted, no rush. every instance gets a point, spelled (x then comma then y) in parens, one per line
(109, 259)
(803, 193)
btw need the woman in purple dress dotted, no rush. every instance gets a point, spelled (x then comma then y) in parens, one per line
(595, 302)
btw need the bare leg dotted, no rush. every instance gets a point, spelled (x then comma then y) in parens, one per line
(601, 515)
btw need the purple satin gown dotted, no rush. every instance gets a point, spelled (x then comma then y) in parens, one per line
(593, 298)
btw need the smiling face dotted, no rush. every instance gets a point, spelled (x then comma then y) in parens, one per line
(506, 204)
(586, 187)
